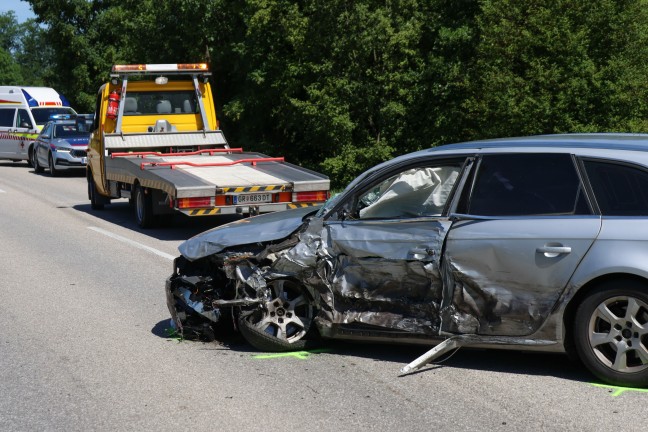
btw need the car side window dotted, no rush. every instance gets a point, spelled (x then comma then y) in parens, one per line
(415, 192)
(23, 120)
(619, 189)
(47, 131)
(527, 184)
(7, 117)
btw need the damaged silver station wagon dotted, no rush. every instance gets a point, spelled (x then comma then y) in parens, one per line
(536, 243)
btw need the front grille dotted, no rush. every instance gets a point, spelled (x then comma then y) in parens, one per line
(78, 153)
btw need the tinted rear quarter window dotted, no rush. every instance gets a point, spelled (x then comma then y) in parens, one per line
(527, 184)
(620, 189)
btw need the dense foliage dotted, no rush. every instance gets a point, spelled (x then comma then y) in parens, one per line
(339, 86)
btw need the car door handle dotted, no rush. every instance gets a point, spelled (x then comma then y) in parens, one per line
(553, 251)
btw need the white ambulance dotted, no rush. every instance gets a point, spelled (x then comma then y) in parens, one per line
(23, 112)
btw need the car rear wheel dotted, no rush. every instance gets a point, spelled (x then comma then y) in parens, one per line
(611, 333)
(37, 168)
(143, 207)
(282, 322)
(52, 168)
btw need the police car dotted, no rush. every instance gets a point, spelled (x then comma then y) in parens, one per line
(62, 144)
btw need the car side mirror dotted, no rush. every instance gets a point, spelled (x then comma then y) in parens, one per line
(25, 125)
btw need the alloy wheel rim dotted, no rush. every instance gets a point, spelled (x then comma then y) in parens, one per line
(618, 334)
(288, 315)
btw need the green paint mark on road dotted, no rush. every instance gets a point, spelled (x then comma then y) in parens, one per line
(302, 355)
(619, 390)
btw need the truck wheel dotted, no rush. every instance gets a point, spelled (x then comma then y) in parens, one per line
(143, 207)
(37, 168)
(282, 322)
(93, 194)
(53, 171)
(610, 333)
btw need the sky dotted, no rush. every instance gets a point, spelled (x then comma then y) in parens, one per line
(22, 9)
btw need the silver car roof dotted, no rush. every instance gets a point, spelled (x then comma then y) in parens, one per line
(601, 144)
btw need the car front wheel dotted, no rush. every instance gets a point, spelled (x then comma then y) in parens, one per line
(611, 333)
(52, 168)
(37, 168)
(282, 322)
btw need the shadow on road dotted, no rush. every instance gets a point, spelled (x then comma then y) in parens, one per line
(176, 227)
(504, 361)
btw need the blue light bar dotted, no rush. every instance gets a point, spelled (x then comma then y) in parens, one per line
(62, 116)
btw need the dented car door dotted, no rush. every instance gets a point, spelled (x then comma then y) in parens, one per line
(386, 248)
(523, 228)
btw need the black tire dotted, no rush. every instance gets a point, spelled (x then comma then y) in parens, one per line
(37, 168)
(282, 323)
(610, 335)
(52, 169)
(93, 195)
(30, 155)
(143, 207)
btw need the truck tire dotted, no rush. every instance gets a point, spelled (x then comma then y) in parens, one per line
(93, 194)
(143, 207)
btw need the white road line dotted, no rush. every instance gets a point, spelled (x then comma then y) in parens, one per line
(132, 243)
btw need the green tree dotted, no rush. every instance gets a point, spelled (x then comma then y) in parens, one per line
(9, 41)
(85, 40)
(9, 31)
(9, 69)
(341, 86)
(34, 54)
(559, 66)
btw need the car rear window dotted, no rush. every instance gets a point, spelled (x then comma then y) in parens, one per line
(71, 130)
(620, 189)
(160, 102)
(527, 184)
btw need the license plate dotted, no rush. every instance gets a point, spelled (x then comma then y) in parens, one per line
(253, 198)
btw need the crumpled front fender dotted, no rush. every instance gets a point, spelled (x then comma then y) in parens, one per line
(266, 227)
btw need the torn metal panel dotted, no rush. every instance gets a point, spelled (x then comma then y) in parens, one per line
(459, 341)
(368, 273)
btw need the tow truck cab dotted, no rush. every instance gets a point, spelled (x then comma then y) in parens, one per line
(151, 105)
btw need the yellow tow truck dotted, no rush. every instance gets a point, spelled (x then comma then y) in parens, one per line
(156, 141)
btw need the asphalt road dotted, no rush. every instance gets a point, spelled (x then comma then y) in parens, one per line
(84, 345)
